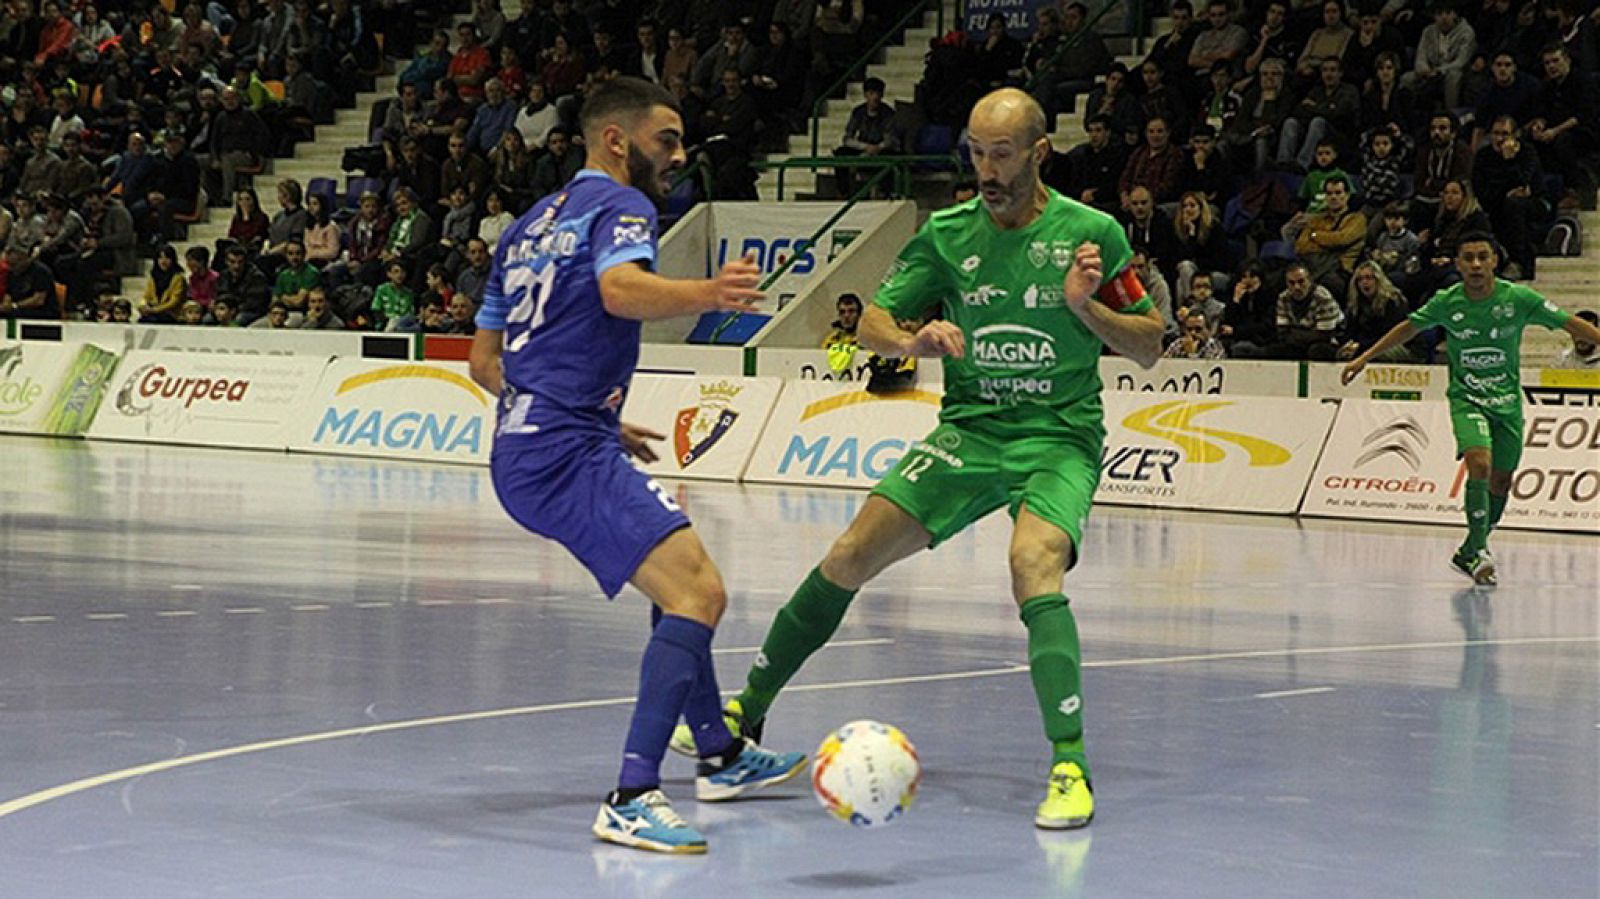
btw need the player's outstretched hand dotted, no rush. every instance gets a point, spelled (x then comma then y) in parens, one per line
(1351, 369)
(1084, 278)
(734, 288)
(636, 440)
(938, 338)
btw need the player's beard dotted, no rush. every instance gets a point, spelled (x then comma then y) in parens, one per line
(643, 174)
(1011, 194)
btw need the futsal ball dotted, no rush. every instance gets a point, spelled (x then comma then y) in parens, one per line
(866, 773)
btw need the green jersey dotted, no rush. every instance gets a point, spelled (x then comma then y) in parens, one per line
(1029, 360)
(1485, 340)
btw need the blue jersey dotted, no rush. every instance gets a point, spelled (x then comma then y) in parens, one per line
(567, 362)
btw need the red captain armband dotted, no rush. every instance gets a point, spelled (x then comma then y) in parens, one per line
(1122, 290)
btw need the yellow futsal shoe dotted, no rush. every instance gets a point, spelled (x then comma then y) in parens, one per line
(1068, 802)
(682, 741)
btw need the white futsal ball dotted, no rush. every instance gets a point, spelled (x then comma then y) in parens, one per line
(866, 773)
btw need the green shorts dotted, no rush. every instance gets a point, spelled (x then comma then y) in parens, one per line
(957, 475)
(1498, 432)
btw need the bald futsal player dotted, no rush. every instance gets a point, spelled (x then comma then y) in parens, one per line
(558, 340)
(1030, 285)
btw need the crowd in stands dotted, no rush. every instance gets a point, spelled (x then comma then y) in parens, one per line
(1296, 172)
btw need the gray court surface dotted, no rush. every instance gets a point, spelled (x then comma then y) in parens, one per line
(233, 674)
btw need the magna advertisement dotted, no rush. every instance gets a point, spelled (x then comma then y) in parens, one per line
(711, 424)
(30, 373)
(1395, 461)
(409, 410)
(1243, 454)
(839, 435)
(211, 400)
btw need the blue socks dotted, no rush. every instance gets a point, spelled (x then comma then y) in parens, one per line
(676, 658)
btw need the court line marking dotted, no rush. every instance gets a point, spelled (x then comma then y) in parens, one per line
(106, 616)
(177, 613)
(33, 619)
(1303, 691)
(836, 644)
(23, 803)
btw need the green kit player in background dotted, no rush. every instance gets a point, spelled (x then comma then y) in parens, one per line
(1030, 285)
(1483, 318)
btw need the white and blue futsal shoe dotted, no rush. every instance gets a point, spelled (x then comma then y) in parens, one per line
(647, 822)
(754, 769)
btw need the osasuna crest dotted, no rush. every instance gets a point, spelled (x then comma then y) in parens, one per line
(1061, 254)
(698, 428)
(1038, 253)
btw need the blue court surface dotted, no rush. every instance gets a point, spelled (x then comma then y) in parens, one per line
(233, 674)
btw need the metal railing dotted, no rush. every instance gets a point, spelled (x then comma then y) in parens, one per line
(866, 58)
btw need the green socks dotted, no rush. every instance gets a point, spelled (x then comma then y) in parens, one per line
(1477, 516)
(1053, 661)
(802, 626)
(1497, 507)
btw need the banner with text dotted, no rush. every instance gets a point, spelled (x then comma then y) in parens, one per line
(771, 233)
(711, 424)
(840, 435)
(1246, 454)
(226, 341)
(30, 374)
(211, 400)
(408, 410)
(1395, 461)
(1197, 376)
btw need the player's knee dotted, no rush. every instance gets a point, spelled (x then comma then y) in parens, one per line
(1500, 481)
(1477, 462)
(1037, 567)
(849, 560)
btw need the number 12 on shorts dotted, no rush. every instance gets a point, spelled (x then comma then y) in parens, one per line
(916, 467)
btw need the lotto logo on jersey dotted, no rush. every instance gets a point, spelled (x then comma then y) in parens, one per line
(983, 296)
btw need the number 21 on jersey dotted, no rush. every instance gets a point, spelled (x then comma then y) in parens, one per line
(535, 287)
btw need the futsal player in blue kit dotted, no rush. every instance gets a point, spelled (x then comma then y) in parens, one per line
(557, 341)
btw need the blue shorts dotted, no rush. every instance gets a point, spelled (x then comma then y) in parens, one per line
(581, 491)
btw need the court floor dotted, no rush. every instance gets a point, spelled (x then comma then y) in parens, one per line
(233, 674)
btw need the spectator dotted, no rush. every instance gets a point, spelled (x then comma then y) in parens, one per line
(27, 229)
(238, 136)
(1510, 93)
(1327, 42)
(1114, 100)
(1224, 41)
(512, 76)
(319, 314)
(1195, 342)
(200, 281)
(1395, 249)
(437, 289)
(463, 169)
(462, 313)
(1374, 305)
(1372, 39)
(416, 171)
(456, 227)
(1458, 214)
(556, 167)
(1247, 322)
(1386, 104)
(470, 66)
(606, 58)
(562, 70)
(369, 236)
(495, 116)
(431, 318)
(121, 312)
(164, 289)
(1205, 168)
(1506, 175)
(108, 247)
(1202, 298)
(39, 171)
(537, 117)
(842, 342)
(1220, 104)
(1156, 164)
(30, 289)
(730, 126)
(10, 171)
(1445, 158)
(1582, 354)
(223, 313)
(1381, 182)
(191, 313)
(409, 230)
(1060, 77)
(62, 230)
(649, 56)
(67, 120)
(277, 318)
(446, 116)
(249, 227)
(1329, 111)
(1446, 50)
(495, 219)
(1272, 40)
(73, 175)
(1155, 285)
(295, 279)
(681, 57)
(287, 224)
(732, 52)
(1163, 102)
(244, 284)
(133, 168)
(1567, 124)
(1201, 245)
(1266, 105)
(392, 301)
(475, 275)
(1150, 229)
(174, 187)
(428, 66)
(1330, 241)
(1094, 168)
(1170, 53)
(513, 170)
(779, 82)
(324, 241)
(998, 60)
(1308, 318)
(490, 22)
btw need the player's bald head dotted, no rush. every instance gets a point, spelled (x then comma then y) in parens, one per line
(1010, 113)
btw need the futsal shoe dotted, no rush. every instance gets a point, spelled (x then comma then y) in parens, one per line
(647, 822)
(682, 741)
(754, 769)
(1068, 801)
(1479, 566)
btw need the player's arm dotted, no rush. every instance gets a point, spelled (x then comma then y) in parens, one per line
(630, 290)
(483, 362)
(880, 333)
(1397, 335)
(1581, 330)
(1135, 335)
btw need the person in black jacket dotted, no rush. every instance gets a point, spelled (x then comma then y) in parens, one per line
(1095, 166)
(1506, 176)
(1249, 323)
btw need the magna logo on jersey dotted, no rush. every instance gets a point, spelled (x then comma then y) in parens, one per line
(1483, 358)
(698, 428)
(1013, 347)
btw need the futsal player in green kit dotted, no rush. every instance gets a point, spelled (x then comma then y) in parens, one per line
(1031, 284)
(1483, 318)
